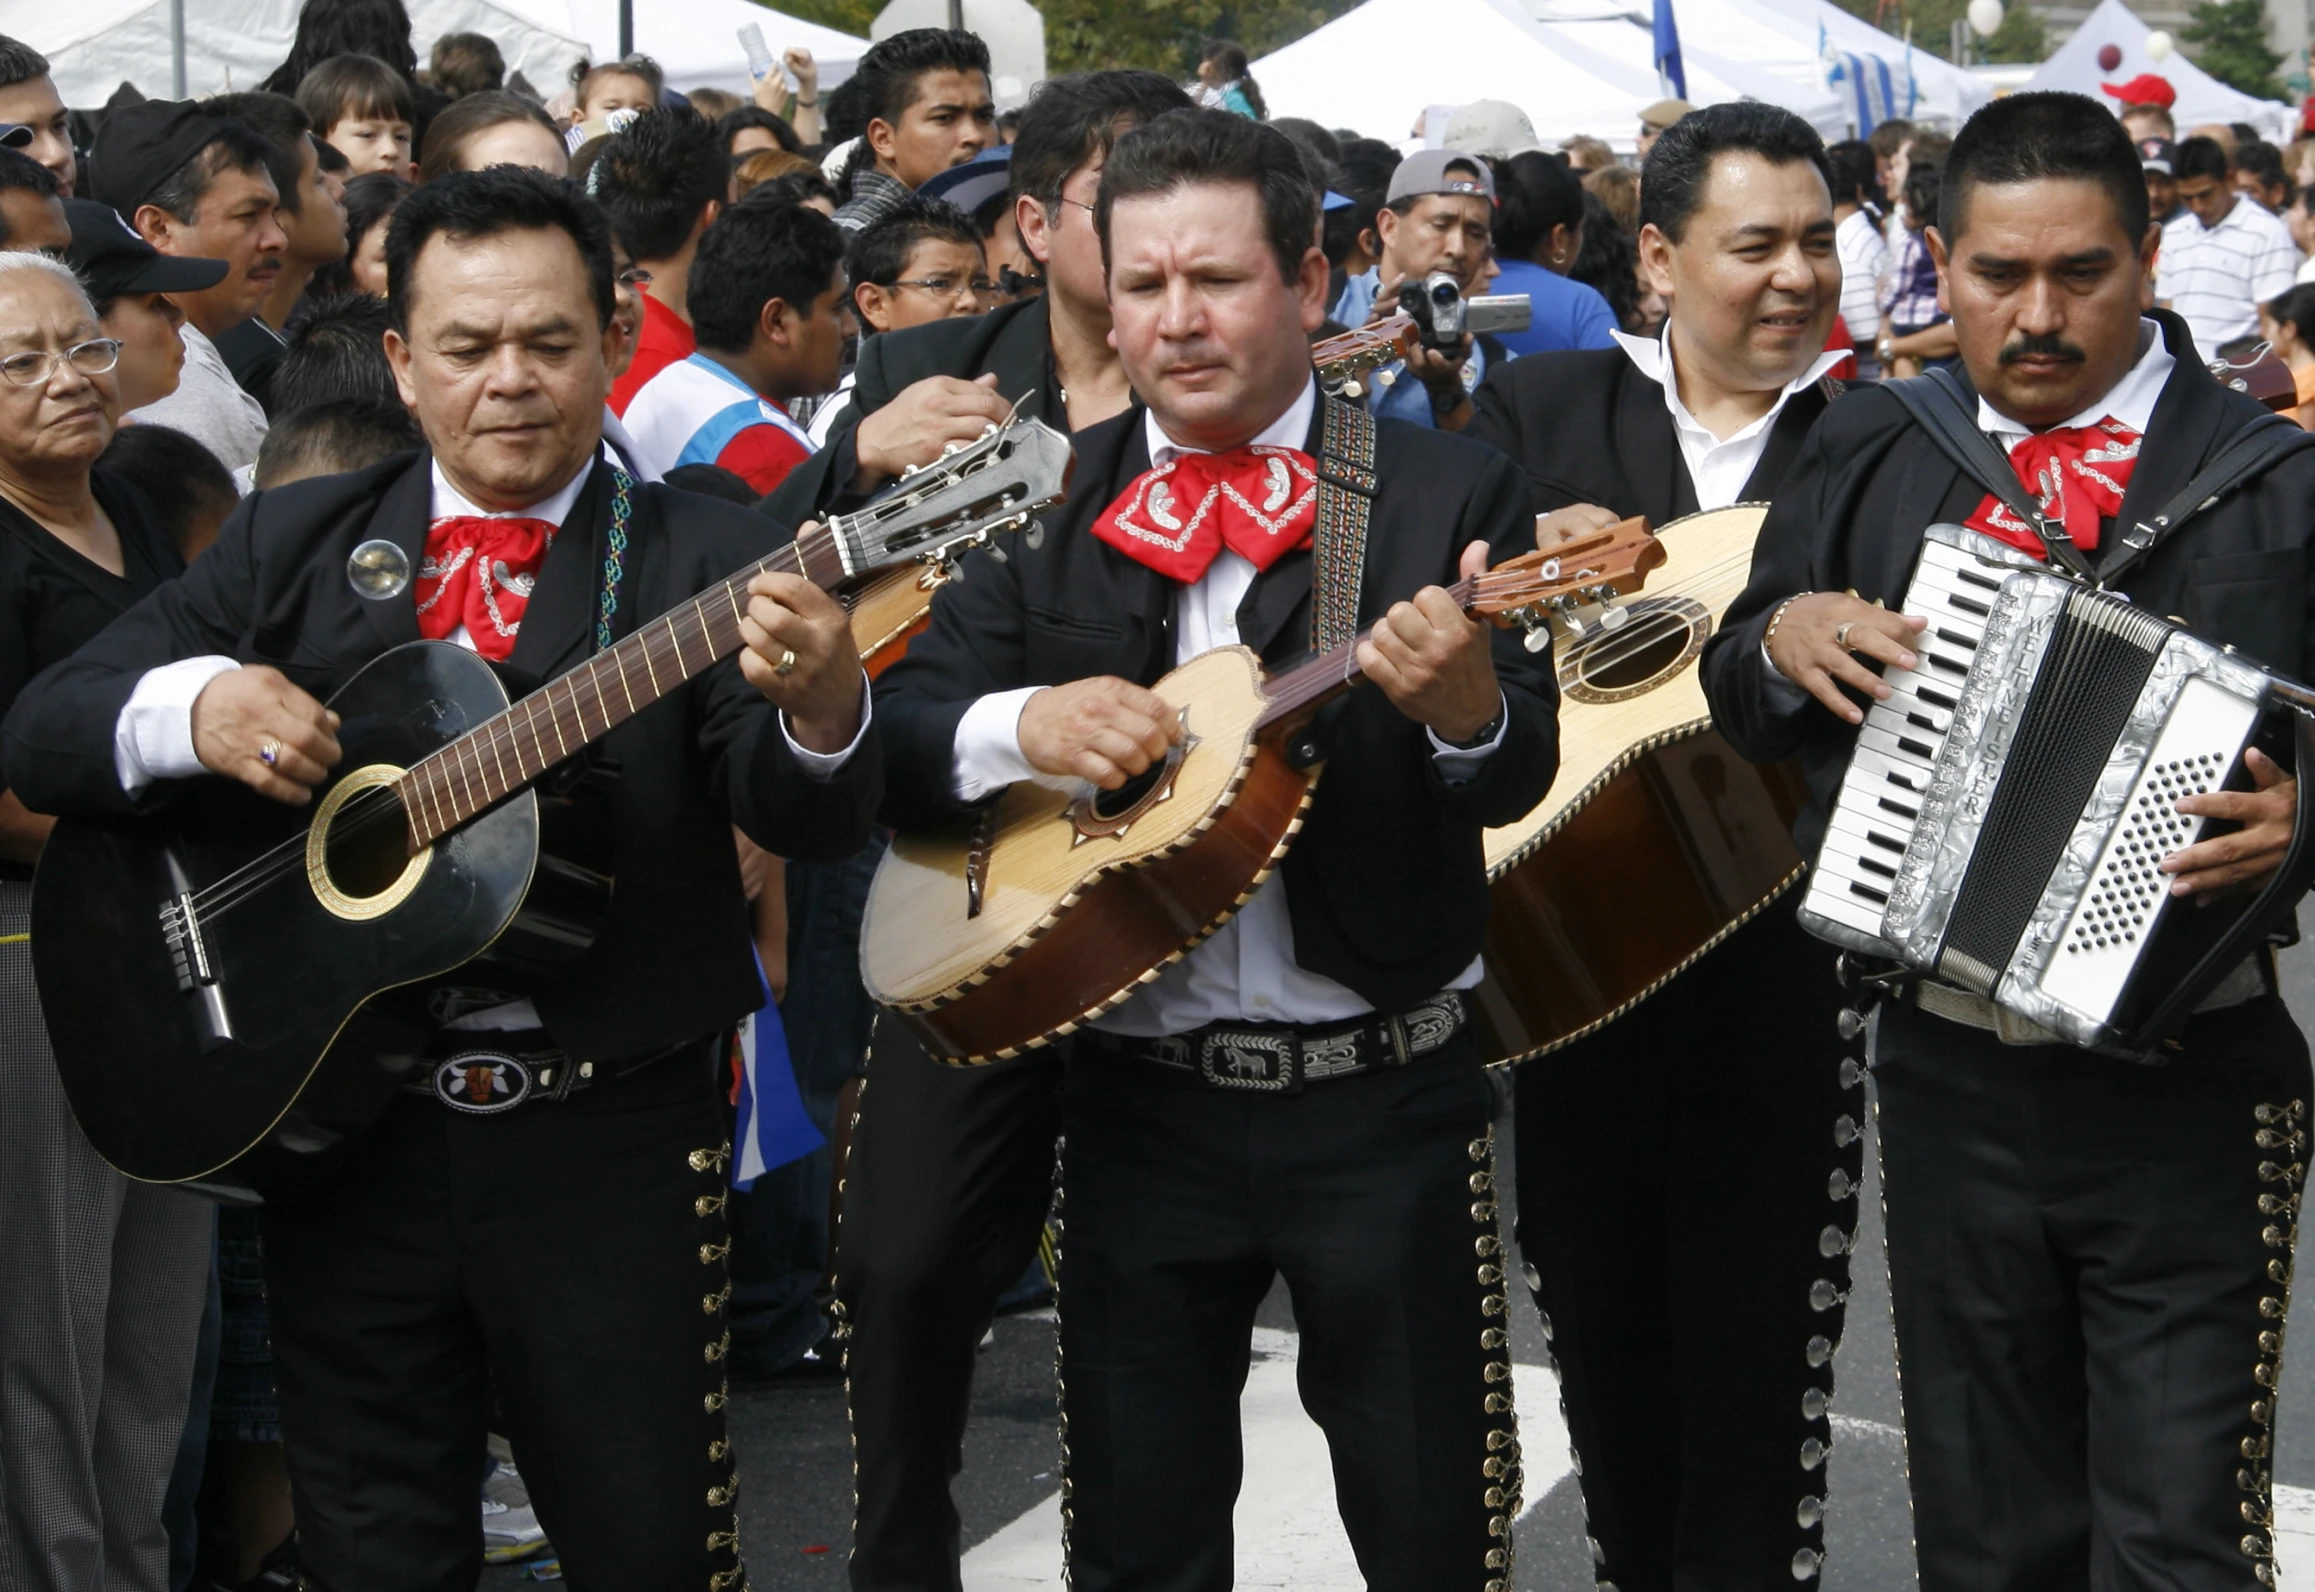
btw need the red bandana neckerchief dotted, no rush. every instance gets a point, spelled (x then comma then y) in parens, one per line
(478, 572)
(1258, 501)
(2077, 474)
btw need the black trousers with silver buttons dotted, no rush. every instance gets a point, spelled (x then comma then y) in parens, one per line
(2089, 1262)
(568, 1256)
(1372, 1196)
(1687, 1198)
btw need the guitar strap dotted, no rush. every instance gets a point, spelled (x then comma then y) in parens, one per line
(1346, 495)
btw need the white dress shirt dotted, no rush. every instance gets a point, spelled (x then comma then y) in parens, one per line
(1246, 970)
(1718, 467)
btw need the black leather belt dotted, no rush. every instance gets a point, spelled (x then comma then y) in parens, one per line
(1282, 1058)
(484, 1073)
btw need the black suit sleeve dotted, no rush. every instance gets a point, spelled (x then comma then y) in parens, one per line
(58, 739)
(1502, 420)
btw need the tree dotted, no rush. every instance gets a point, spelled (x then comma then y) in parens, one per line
(2021, 38)
(2228, 39)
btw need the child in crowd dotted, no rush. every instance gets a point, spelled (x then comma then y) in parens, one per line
(363, 108)
(629, 85)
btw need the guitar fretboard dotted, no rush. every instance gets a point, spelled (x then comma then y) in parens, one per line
(1319, 676)
(497, 758)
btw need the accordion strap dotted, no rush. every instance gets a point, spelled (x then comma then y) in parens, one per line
(2265, 442)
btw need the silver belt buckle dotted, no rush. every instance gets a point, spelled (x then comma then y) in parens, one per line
(482, 1082)
(1238, 1058)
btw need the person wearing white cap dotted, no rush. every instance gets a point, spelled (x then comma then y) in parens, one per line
(1492, 129)
(1438, 215)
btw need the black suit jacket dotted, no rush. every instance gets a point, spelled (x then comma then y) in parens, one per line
(1869, 481)
(1014, 341)
(1386, 886)
(1588, 427)
(673, 961)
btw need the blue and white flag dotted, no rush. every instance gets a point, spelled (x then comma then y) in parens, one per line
(1867, 83)
(1668, 64)
(773, 1127)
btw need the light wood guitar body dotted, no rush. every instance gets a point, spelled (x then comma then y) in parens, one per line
(1657, 841)
(889, 610)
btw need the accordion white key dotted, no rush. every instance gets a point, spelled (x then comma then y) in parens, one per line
(2001, 820)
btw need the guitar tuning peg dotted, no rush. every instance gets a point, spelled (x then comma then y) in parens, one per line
(1614, 617)
(1537, 638)
(1385, 378)
(1354, 388)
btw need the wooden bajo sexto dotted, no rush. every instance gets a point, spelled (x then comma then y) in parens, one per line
(210, 976)
(1049, 907)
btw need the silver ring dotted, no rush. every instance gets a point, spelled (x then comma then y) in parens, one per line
(269, 751)
(1841, 634)
(787, 663)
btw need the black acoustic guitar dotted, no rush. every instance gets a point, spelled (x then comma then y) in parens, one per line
(218, 983)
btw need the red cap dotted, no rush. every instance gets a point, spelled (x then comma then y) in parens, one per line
(2144, 89)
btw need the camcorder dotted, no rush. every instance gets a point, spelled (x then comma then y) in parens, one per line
(1442, 315)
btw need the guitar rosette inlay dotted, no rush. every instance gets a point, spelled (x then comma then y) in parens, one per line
(1660, 637)
(358, 863)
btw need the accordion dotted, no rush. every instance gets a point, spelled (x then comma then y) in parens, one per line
(2001, 819)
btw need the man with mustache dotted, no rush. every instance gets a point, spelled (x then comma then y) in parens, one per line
(196, 184)
(2089, 1260)
(1674, 1265)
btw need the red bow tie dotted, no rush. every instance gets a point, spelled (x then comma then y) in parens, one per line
(2077, 474)
(478, 572)
(1259, 502)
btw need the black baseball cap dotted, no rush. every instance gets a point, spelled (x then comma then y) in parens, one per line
(139, 147)
(2158, 155)
(113, 260)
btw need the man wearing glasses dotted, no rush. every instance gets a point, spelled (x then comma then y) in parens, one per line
(769, 309)
(919, 263)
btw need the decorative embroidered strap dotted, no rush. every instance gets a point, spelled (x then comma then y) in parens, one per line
(615, 556)
(1346, 493)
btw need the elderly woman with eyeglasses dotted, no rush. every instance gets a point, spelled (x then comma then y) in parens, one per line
(104, 1279)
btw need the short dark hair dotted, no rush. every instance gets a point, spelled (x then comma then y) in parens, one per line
(880, 251)
(20, 173)
(331, 439)
(19, 62)
(1679, 163)
(237, 147)
(280, 121)
(1888, 137)
(656, 175)
(336, 348)
(1853, 171)
(731, 124)
(482, 204)
(461, 119)
(1312, 137)
(467, 63)
(755, 253)
(2264, 162)
(794, 187)
(1537, 193)
(2040, 136)
(371, 199)
(891, 69)
(1075, 119)
(2295, 307)
(179, 475)
(1208, 146)
(348, 86)
(1362, 176)
(330, 157)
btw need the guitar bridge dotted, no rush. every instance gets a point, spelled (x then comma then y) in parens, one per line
(189, 959)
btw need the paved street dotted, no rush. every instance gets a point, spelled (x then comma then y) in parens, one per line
(795, 1458)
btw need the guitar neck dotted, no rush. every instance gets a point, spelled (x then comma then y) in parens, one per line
(1310, 684)
(491, 762)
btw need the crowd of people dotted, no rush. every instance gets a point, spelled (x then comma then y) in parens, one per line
(252, 340)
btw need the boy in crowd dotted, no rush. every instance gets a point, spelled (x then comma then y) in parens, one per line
(923, 262)
(663, 179)
(29, 99)
(929, 108)
(364, 109)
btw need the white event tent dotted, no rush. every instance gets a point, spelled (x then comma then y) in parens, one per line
(1799, 32)
(1586, 76)
(2202, 98)
(233, 44)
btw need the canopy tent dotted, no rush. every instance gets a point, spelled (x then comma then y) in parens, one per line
(1590, 76)
(235, 45)
(2202, 98)
(1941, 91)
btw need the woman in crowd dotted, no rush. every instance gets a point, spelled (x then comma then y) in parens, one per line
(2287, 322)
(1225, 84)
(497, 128)
(104, 1367)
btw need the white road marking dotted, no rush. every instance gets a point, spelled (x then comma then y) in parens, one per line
(1289, 1534)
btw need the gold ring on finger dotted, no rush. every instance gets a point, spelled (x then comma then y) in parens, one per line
(269, 751)
(1841, 634)
(787, 663)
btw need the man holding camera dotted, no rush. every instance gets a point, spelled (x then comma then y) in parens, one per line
(1438, 215)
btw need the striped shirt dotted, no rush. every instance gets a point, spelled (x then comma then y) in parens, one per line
(1863, 258)
(697, 412)
(2217, 277)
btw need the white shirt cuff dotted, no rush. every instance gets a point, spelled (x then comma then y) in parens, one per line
(823, 766)
(1459, 763)
(153, 737)
(988, 747)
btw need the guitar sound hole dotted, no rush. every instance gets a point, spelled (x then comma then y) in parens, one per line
(367, 848)
(1661, 637)
(1111, 805)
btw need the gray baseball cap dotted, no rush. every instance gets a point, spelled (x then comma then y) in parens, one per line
(1440, 171)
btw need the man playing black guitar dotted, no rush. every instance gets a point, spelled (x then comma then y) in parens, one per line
(542, 1223)
(1672, 1167)
(1300, 1095)
(2089, 1259)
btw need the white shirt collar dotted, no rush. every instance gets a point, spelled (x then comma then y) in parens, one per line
(449, 502)
(2130, 400)
(1653, 358)
(1289, 430)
